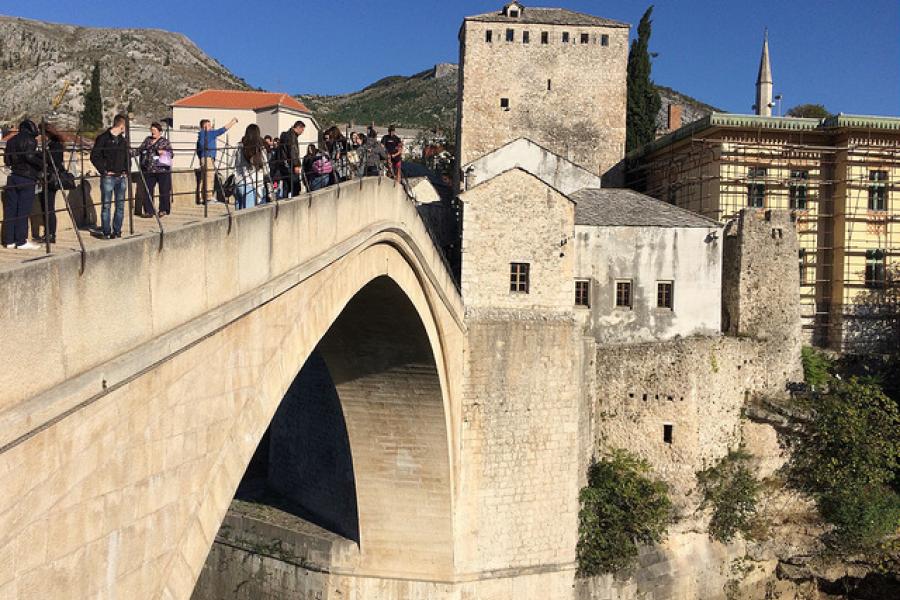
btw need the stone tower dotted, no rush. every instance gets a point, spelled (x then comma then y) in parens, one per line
(764, 82)
(551, 75)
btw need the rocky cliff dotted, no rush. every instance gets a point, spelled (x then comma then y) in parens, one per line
(145, 69)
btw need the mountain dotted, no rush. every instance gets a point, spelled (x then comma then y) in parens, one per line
(146, 68)
(426, 100)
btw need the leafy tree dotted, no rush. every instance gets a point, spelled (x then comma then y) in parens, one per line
(817, 367)
(621, 507)
(92, 115)
(643, 97)
(730, 488)
(847, 457)
(812, 111)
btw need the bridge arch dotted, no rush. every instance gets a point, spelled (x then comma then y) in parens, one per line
(157, 454)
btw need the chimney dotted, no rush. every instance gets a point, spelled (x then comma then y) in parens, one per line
(674, 116)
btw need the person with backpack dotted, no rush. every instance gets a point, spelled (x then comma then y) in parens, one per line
(110, 156)
(317, 167)
(26, 168)
(372, 155)
(156, 156)
(251, 169)
(206, 152)
(290, 163)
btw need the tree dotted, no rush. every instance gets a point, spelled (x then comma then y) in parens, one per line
(643, 98)
(92, 115)
(812, 111)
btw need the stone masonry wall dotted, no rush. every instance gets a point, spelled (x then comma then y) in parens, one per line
(581, 116)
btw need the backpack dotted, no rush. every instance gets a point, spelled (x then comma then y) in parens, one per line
(322, 165)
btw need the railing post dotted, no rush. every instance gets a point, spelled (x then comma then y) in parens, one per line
(46, 202)
(130, 194)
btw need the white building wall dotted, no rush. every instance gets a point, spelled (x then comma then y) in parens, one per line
(689, 257)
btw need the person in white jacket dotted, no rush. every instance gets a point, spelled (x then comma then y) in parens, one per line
(251, 169)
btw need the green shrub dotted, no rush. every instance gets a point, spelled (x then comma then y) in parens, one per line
(730, 488)
(817, 367)
(847, 456)
(621, 507)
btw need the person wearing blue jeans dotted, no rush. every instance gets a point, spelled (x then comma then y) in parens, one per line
(112, 185)
(110, 156)
(26, 168)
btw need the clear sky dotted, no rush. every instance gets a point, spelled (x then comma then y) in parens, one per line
(841, 53)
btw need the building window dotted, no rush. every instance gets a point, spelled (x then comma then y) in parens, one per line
(878, 190)
(565, 37)
(875, 268)
(518, 277)
(807, 267)
(585, 38)
(545, 37)
(526, 37)
(797, 189)
(756, 189)
(664, 294)
(513, 13)
(510, 35)
(604, 40)
(583, 292)
(504, 103)
(489, 36)
(623, 294)
(668, 431)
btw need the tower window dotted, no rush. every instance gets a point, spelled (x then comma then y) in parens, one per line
(797, 189)
(549, 84)
(583, 292)
(875, 268)
(623, 294)
(878, 190)
(604, 40)
(488, 36)
(504, 103)
(565, 37)
(664, 291)
(545, 37)
(526, 37)
(585, 38)
(518, 277)
(756, 189)
(510, 35)
(668, 432)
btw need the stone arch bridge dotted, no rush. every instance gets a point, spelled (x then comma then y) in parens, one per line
(132, 396)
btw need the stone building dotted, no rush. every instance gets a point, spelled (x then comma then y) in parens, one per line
(645, 270)
(551, 75)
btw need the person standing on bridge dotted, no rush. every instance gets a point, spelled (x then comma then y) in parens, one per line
(110, 156)
(251, 169)
(394, 147)
(156, 156)
(290, 161)
(372, 155)
(206, 152)
(26, 167)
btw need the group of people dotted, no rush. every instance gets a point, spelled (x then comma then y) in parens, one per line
(264, 168)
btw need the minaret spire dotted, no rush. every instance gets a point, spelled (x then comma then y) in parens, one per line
(764, 81)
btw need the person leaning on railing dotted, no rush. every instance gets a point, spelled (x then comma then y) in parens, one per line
(206, 152)
(156, 155)
(26, 167)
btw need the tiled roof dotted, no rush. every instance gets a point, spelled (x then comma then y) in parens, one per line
(548, 16)
(620, 207)
(240, 100)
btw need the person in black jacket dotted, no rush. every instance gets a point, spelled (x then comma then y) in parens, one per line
(110, 156)
(26, 167)
(55, 167)
(290, 162)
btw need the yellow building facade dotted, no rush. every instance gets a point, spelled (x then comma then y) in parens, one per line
(839, 175)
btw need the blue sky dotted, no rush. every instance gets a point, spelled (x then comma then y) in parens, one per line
(844, 54)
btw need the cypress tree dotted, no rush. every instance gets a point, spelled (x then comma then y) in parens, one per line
(643, 99)
(92, 115)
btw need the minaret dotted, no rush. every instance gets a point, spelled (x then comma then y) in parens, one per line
(764, 81)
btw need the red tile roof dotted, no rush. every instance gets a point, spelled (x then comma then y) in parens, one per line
(240, 100)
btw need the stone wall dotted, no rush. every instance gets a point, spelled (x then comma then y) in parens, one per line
(581, 116)
(516, 217)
